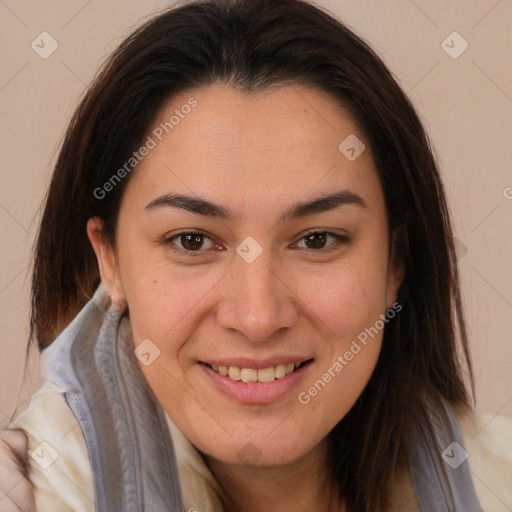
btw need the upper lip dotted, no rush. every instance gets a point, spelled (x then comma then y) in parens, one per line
(257, 364)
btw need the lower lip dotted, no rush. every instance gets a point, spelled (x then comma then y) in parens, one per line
(257, 392)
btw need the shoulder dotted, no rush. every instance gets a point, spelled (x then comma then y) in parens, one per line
(60, 468)
(59, 462)
(488, 443)
(487, 446)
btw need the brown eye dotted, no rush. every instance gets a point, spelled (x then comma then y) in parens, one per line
(189, 243)
(316, 240)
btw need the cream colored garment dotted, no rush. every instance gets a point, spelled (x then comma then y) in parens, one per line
(62, 476)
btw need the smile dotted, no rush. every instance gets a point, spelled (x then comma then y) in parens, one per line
(251, 375)
(256, 385)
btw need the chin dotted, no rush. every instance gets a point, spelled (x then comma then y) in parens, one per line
(258, 450)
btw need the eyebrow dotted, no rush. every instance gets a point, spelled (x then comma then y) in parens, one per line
(207, 208)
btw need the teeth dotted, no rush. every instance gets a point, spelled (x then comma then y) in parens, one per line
(266, 375)
(234, 372)
(250, 375)
(280, 371)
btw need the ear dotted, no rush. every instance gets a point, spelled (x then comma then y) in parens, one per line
(107, 262)
(395, 276)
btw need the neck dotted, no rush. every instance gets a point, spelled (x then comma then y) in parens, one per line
(304, 484)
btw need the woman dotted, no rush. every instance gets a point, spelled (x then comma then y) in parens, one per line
(245, 284)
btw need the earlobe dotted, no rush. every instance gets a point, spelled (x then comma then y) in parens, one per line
(107, 263)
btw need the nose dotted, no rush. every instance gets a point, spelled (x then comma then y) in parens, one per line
(258, 300)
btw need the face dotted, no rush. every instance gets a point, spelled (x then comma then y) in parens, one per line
(244, 285)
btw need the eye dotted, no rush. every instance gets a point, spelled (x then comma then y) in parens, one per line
(316, 240)
(190, 242)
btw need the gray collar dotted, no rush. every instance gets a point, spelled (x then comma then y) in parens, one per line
(130, 447)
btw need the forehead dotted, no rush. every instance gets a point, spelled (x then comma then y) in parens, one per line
(283, 141)
(276, 119)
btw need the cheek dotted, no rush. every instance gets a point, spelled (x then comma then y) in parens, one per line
(345, 299)
(330, 394)
(166, 307)
(165, 298)
(350, 306)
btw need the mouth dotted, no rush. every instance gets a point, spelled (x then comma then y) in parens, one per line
(269, 374)
(263, 384)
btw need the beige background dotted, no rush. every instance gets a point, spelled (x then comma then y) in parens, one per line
(465, 102)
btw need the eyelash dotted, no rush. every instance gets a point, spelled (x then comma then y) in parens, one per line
(340, 239)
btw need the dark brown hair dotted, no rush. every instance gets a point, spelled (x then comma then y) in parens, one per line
(255, 44)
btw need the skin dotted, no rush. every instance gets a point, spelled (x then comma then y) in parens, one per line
(16, 492)
(256, 155)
